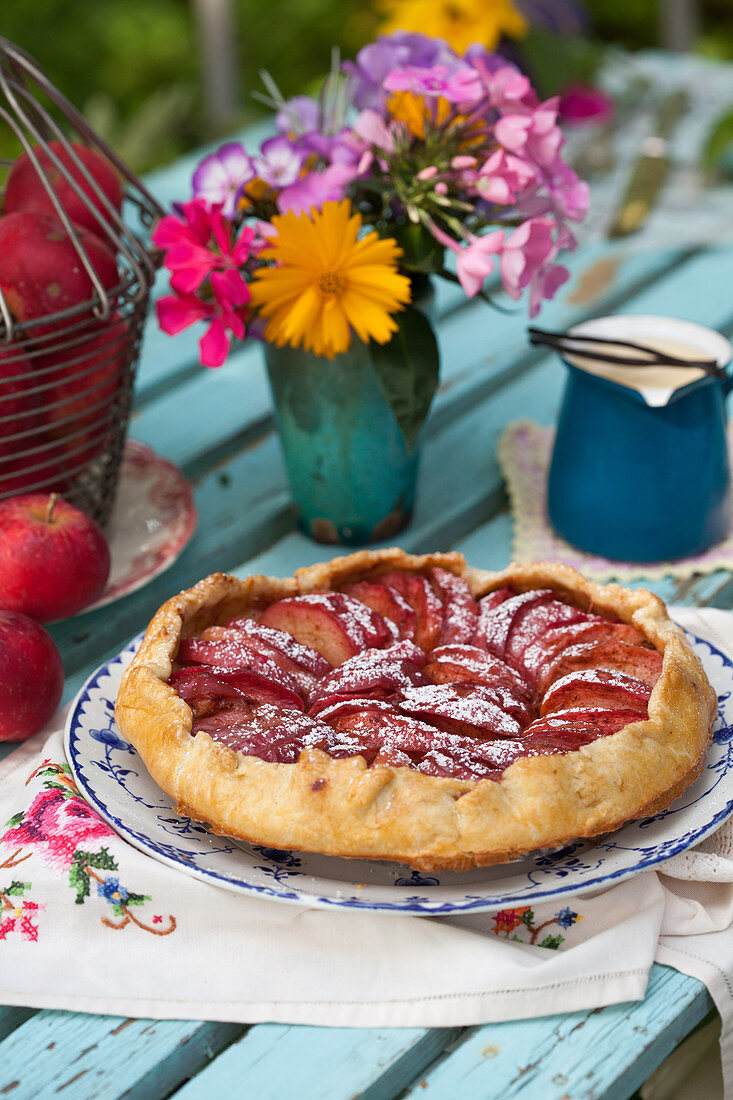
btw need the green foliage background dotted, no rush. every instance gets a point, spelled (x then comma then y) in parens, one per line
(133, 66)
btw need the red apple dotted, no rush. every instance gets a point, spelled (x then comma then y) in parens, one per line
(20, 421)
(24, 189)
(31, 677)
(80, 384)
(54, 560)
(41, 271)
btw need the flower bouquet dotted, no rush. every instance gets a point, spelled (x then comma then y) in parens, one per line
(413, 161)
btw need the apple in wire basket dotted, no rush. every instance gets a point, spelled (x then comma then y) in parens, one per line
(25, 190)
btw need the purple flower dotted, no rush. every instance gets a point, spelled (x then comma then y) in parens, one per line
(280, 162)
(298, 115)
(341, 148)
(390, 52)
(315, 188)
(220, 177)
(462, 86)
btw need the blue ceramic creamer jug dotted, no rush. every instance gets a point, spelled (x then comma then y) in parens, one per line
(640, 467)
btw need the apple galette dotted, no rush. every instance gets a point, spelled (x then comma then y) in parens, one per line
(390, 706)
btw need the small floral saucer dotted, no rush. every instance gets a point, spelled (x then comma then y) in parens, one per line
(113, 778)
(153, 519)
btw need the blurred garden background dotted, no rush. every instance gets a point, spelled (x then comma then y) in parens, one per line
(158, 77)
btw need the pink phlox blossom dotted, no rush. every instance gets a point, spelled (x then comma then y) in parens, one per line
(507, 89)
(315, 188)
(475, 260)
(527, 260)
(502, 177)
(535, 136)
(370, 128)
(570, 195)
(378, 140)
(220, 178)
(280, 161)
(462, 86)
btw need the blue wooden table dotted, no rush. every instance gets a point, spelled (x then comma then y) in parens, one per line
(217, 426)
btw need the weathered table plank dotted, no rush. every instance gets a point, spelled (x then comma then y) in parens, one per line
(578, 1056)
(278, 1061)
(105, 1057)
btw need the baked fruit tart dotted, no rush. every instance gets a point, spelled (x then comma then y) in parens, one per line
(412, 708)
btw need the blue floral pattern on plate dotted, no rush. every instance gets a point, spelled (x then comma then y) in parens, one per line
(114, 779)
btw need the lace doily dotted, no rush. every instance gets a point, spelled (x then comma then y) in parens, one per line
(525, 450)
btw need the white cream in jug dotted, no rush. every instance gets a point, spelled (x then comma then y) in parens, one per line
(655, 383)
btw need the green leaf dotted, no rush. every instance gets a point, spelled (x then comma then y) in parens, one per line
(718, 142)
(137, 899)
(420, 251)
(15, 820)
(408, 368)
(17, 889)
(78, 878)
(528, 918)
(100, 859)
(553, 942)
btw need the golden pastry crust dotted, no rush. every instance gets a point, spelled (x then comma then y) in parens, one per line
(342, 807)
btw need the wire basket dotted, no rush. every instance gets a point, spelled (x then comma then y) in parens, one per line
(66, 377)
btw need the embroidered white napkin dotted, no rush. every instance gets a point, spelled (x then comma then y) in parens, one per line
(156, 943)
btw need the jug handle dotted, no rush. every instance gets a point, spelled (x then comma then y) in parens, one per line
(727, 380)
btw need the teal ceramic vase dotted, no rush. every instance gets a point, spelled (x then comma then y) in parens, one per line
(351, 474)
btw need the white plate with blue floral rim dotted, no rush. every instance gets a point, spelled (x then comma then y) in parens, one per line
(114, 779)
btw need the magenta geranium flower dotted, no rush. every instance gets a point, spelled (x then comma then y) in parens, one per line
(206, 259)
(220, 178)
(581, 103)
